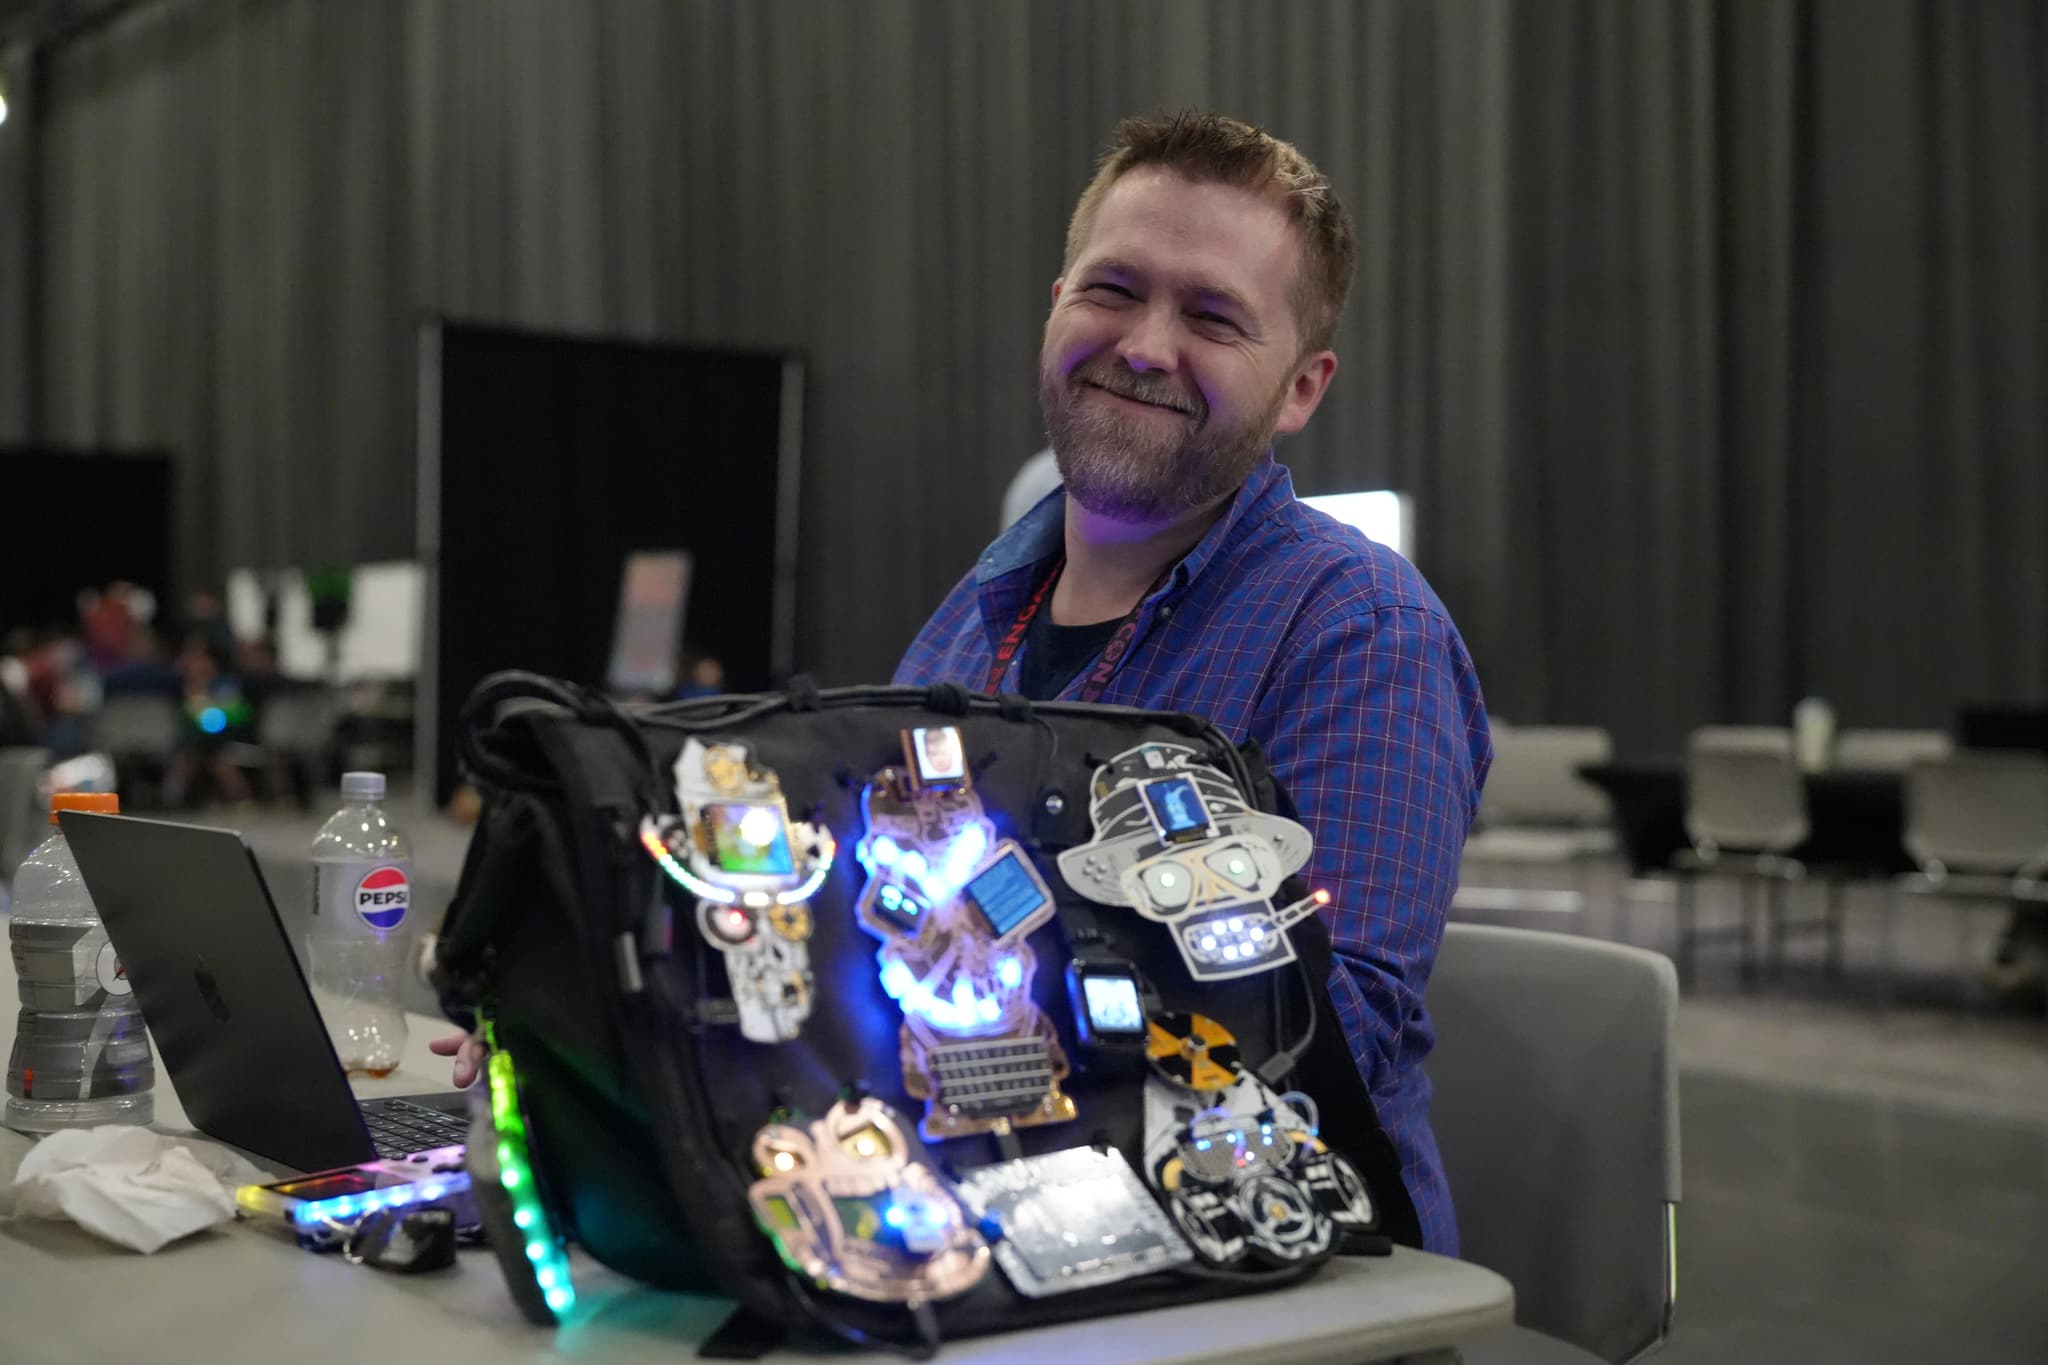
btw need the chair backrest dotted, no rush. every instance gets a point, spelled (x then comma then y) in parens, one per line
(135, 725)
(1889, 750)
(1982, 810)
(1557, 1114)
(21, 820)
(298, 721)
(1535, 776)
(1743, 794)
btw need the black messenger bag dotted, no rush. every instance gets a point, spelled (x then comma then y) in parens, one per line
(899, 1014)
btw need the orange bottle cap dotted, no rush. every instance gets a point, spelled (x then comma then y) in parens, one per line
(99, 803)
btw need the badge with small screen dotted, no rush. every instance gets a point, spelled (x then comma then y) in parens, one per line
(1108, 999)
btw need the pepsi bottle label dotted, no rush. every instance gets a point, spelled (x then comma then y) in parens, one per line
(382, 897)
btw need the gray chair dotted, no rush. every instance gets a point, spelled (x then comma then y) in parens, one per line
(1557, 1114)
(1537, 812)
(1745, 814)
(295, 734)
(1977, 825)
(141, 734)
(22, 821)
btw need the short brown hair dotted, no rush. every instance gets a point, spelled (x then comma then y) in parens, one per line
(1214, 149)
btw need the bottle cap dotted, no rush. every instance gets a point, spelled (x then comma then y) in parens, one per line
(362, 786)
(99, 803)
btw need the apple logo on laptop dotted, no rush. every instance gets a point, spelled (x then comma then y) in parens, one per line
(209, 990)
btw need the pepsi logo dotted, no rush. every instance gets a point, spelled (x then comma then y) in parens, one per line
(382, 896)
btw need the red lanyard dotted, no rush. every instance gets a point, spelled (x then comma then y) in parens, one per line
(1106, 663)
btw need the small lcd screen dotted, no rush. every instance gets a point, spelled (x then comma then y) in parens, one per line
(319, 1187)
(1112, 1004)
(1177, 809)
(941, 760)
(1006, 894)
(750, 838)
(899, 907)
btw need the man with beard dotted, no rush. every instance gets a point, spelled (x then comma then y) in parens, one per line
(1206, 268)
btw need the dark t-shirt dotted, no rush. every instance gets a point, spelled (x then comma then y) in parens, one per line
(1054, 654)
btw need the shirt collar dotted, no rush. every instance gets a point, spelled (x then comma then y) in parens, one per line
(1040, 534)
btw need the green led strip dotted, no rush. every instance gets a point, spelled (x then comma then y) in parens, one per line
(515, 1173)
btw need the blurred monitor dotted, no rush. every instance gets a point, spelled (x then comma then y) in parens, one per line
(647, 635)
(380, 641)
(1382, 515)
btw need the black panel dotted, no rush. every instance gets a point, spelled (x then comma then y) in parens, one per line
(79, 520)
(560, 456)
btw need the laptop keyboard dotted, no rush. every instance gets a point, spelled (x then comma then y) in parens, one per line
(400, 1128)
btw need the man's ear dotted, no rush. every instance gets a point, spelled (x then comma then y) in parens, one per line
(1305, 391)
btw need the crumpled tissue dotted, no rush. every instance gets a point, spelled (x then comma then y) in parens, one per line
(133, 1187)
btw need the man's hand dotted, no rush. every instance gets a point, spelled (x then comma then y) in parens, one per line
(469, 1052)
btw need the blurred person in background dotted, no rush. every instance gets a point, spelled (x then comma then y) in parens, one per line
(143, 671)
(18, 722)
(207, 618)
(1206, 268)
(217, 718)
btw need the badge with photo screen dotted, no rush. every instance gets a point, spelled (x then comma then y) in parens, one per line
(937, 757)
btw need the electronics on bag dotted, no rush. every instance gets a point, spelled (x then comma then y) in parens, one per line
(1108, 1000)
(1242, 1169)
(753, 870)
(324, 1208)
(952, 907)
(849, 1206)
(214, 973)
(1178, 843)
(1074, 1219)
(936, 757)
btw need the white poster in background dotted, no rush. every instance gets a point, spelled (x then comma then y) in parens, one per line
(647, 634)
(380, 642)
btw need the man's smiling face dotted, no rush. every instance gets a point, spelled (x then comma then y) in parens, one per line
(1172, 354)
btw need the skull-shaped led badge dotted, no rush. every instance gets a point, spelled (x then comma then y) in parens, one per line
(848, 1207)
(1176, 841)
(753, 872)
(952, 906)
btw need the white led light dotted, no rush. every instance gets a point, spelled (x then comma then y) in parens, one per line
(759, 826)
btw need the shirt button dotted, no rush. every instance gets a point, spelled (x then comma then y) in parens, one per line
(1166, 610)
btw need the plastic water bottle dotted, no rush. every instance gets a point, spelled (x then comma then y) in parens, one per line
(358, 942)
(81, 1054)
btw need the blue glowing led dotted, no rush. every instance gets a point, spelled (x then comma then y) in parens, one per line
(884, 851)
(897, 980)
(1010, 972)
(213, 720)
(894, 1217)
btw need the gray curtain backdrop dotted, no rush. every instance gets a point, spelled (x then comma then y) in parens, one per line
(1711, 337)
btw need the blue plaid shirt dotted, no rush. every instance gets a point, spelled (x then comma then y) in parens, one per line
(1288, 627)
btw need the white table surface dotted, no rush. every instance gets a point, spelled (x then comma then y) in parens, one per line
(238, 1295)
